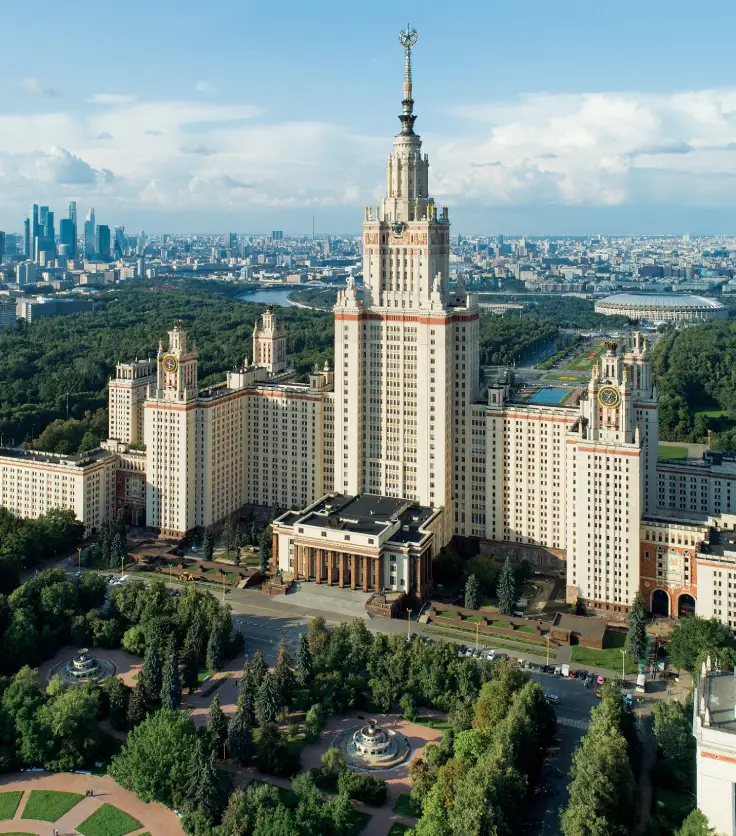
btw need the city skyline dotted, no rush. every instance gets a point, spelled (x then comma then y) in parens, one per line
(543, 125)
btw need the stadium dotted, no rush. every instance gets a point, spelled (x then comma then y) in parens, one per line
(662, 307)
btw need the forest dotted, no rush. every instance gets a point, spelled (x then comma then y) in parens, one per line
(695, 370)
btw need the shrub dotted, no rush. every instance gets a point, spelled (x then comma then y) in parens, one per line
(366, 788)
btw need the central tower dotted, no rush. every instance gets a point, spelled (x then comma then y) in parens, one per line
(395, 381)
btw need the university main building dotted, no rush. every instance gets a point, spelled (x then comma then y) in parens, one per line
(379, 463)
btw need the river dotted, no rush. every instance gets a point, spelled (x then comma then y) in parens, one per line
(269, 296)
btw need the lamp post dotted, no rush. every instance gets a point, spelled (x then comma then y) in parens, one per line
(623, 661)
(79, 558)
(547, 663)
(477, 630)
(408, 625)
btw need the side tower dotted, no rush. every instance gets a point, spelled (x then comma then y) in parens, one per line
(170, 437)
(269, 344)
(394, 348)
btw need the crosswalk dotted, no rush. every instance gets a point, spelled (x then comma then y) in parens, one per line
(574, 724)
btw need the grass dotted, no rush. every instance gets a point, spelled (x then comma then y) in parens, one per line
(475, 619)
(216, 684)
(504, 625)
(524, 629)
(49, 805)
(431, 723)
(9, 802)
(398, 829)
(609, 658)
(492, 640)
(584, 359)
(446, 613)
(667, 451)
(203, 674)
(712, 413)
(108, 821)
(404, 807)
(359, 821)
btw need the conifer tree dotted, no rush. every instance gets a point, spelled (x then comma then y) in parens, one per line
(267, 702)
(117, 695)
(214, 650)
(506, 589)
(137, 705)
(240, 738)
(636, 638)
(304, 664)
(216, 725)
(258, 668)
(152, 672)
(238, 556)
(472, 601)
(208, 546)
(203, 787)
(189, 663)
(171, 680)
(264, 551)
(283, 676)
(247, 694)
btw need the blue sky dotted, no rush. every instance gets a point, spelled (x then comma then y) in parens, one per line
(538, 117)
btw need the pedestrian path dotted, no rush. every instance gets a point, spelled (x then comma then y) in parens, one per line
(574, 724)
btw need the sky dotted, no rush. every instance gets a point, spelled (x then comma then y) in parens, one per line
(539, 118)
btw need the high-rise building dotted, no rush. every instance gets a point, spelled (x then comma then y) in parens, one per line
(27, 240)
(25, 273)
(399, 403)
(73, 219)
(2, 246)
(67, 237)
(89, 235)
(269, 344)
(277, 235)
(231, 241)
(102, 242)
(118, 242)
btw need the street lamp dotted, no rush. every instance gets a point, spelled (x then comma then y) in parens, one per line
(547, 664)
(623, 661)
(477, 629)
(408, 625)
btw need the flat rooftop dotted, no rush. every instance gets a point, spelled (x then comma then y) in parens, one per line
(83, 460)
(720, 698)
(565, 397)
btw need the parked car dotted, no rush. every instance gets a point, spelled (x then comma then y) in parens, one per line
(599, 693)
(581, 674)
(571, 674)
(600, 680)
(628, 702)
(553, 699)
(557, 671)
(548, 669)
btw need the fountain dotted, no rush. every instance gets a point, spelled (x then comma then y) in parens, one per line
(372, 747)
(83, 668)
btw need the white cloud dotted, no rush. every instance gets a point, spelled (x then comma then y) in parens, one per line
(111, 98)
(33, 87)
(575, 150)
(205, 87)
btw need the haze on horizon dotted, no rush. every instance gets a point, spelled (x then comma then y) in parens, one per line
(539, 120)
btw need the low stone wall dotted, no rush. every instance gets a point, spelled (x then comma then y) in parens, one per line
(272, 588)
(386, 607)
(481, 623)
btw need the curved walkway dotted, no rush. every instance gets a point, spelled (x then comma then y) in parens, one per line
(155, 818)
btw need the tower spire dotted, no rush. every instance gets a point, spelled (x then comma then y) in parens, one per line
(407, 38)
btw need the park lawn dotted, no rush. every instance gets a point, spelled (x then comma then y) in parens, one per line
(475, 619)
(359, 821)
(610, 659)
(712, 413)
(676, 452)
(493, 640)
(49, 805)
(108, 821)
(404, 807)
(502, 624)
(446, 613)
(524, 629)
(398, 829)
(204, 674)
(9, 802)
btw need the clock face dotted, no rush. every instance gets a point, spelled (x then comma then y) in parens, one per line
(397, 227)
(609, 396)
(170, 363)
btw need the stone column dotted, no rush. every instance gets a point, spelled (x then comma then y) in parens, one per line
(275, 552)
(420, 579)
(318, 565)
(353, 570)
(341, 570)
(377, 566)
(365, 573)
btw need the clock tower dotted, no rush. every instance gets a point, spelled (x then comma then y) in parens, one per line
(176, 378)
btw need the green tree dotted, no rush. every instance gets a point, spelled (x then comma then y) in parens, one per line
(190, 663)
(137, 705)
(696, 824)
(238, 556)
(171, 679)
(89, 442)
(313, 723)
(117, 695)
(267, 705)
(636, 638)
(215, 656)
(283, 677)
(258, 670)
(217, 725)
(240, 738)
(408, 706)
(472, 596)
(695, 638)
(506, 590)
(152, 673)
(304, 661)
(202, 789)
(264, 550)
(154, 762)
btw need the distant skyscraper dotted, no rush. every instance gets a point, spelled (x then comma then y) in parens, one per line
(89, 235)
(35, 231)
(43, 212)
(277, 235)
(27, 238)
(67, 237)
(73, 219)
(102, 242)
(118, 242)
(231, 241)
(2, 245)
